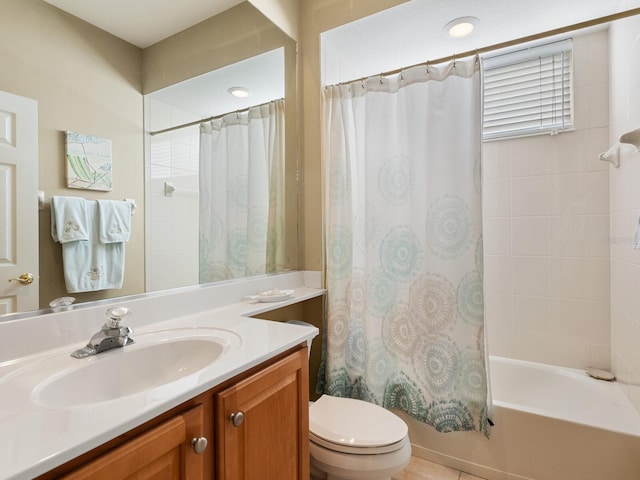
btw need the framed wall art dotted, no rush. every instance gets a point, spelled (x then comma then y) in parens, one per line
(88, 162)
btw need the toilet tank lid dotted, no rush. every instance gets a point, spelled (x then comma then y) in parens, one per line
(346, 421)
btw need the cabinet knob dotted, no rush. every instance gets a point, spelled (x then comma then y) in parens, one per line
(237, 418)
(199, 444)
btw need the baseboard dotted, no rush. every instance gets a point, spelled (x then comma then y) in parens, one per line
(464, 465)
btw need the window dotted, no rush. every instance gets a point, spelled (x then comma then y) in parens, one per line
(528, 91)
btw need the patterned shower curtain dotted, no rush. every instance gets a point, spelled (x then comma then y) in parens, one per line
(242, 193)
(405, 326)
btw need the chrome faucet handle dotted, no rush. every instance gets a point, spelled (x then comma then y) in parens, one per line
(115, 316)
(110, 336)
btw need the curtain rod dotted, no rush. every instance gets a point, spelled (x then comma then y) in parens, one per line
(511, 43)
(209, 119)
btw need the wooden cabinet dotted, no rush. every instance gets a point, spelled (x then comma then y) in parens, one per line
(262, 424)
(271, 442)
(164, 452)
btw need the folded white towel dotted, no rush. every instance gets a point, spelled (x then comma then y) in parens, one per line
(114, 221)
(92, 265)
(69, 219)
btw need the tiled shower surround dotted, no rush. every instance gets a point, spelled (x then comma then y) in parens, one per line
(562, 278)
(546, 230)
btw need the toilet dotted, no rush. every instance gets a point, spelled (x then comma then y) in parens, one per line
(352, 439)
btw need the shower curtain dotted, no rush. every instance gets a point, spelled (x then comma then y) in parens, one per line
(405, 325)
(242, 193)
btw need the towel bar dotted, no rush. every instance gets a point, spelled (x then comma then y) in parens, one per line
(44, 203)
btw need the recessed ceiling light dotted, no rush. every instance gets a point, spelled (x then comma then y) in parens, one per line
(461, 27)
(239, 92)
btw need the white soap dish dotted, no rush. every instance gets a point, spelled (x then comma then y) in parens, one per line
(601, 374)
(274, 295)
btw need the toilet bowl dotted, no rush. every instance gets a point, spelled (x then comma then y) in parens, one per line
(352, 439)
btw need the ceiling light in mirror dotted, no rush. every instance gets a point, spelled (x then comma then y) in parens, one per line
(239, 92)
(461, 27)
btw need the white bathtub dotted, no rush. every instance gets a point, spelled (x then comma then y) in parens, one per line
(562, 393)
(551, 423)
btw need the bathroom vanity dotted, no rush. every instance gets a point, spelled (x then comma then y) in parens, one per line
(253, 426)
(205, 391)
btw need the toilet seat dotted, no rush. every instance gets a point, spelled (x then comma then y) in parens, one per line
(356, 427)
(353, 450)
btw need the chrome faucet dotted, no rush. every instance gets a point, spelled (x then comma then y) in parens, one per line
(111, 335)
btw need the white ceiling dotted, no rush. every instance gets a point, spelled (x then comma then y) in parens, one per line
(143, 22)
(405, 35)
(413, 32)
(262, 76)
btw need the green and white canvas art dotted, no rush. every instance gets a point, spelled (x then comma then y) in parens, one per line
(88, 162)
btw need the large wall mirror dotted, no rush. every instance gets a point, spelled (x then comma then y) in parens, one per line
(216, 196)
(221, 163)
(88, 81)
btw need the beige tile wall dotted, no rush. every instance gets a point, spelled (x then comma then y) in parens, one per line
(625, 207)
(546, 231)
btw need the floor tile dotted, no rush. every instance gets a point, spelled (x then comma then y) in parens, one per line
(420, 469)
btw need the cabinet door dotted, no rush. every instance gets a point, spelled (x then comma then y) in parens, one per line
(164, 452)
(262, 424)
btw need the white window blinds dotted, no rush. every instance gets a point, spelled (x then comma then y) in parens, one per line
(528, 91)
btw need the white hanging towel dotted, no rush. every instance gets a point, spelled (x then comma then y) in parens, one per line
(89, 265)
(69, 219)
(114, 219)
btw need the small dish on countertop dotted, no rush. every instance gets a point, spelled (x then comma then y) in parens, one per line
(274, 295)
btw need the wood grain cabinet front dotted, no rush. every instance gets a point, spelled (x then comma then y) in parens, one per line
(172, 450)
(262, 424)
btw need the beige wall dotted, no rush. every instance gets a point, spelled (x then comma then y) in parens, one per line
(84, 80)
(317, 17)
(284, 13)
(234, 35)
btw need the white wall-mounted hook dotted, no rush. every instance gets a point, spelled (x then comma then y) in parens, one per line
(612, 155)
(169, 188)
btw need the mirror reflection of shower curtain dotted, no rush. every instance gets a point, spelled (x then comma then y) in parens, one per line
(403, 223)
(242, 193)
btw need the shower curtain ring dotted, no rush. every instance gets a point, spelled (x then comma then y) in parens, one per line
(454, 61)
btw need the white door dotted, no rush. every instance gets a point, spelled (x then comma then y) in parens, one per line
(18, 203)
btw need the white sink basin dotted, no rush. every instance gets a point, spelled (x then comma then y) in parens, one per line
(156, 359)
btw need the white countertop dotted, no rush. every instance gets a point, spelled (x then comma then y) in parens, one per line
(35, 439)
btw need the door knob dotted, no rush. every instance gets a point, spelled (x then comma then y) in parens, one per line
(199, 444)
(237, 419)
(24, 279)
